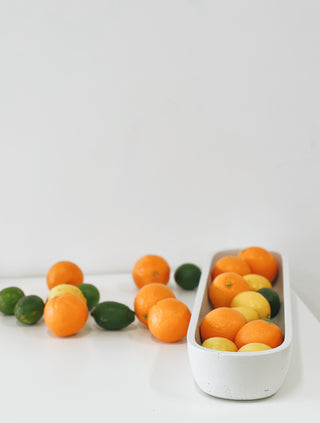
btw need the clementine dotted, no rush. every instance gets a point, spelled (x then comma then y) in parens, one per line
(64, 272)
(66, 314)
(147, 297)
(231, 264)
(261, 262)
(225, 287)
(259, 331)
(169, 319)
(151, 269)
(223, 322)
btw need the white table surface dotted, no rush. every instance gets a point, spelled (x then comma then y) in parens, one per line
(129, 374)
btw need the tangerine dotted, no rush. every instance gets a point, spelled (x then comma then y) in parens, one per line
(259, 331)
(261, 262)
(66, 314)
(225, 287)
(169, 319)
(231, 264)
(64, 272)
(223, 322)
(147, 297)
(151, 269)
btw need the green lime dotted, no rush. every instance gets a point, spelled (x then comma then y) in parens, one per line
(187, 276)
(9, 298)
(112, 315)
(91, 293)
(29, 309)
(273, 298)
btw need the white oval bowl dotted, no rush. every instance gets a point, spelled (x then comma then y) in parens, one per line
(245, 375)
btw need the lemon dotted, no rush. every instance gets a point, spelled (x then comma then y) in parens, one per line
(220, 344)
(257, 282)
(248, 313)
(254, 346)
(65, 289)
(254, 300)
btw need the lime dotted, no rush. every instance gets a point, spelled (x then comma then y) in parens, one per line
(29, 309)
(112, 315)
(257, 282)
(254, 346)
(187, 276)
(254, 300)
(248, 312)
(273, 298)
(91, 294)
(9, 298)
(220, 344)
(65, 288)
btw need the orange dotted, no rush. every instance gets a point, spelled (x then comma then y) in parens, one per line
(147, 297)
(259, 331)
(151, 269)
(231, 264)
(225, 287)
(223, 322)
(261, 262)
(66, 314)
(64, 272)
(169, 319)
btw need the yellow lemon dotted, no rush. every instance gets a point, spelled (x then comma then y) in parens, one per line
(254, 346)
(248, 312)
(257, 282)
(65, 289)
(254, 300)
(220, 344)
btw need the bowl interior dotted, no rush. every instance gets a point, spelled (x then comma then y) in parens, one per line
(204, 302)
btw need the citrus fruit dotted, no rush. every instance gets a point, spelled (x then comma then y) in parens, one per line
(254, 346)
(220, 344)
(261, 262)
(259, 331)
(273, 298)
(257, 282)
(225, 287)
(65, 289)
(150, 269)
(248, 312)
(9, 298)
(230, 264)
(65, 315)
(147, 297)
(254, 300)
(29, 309)
(169, 319)
(224, 322)
(91, 293)
(64, 272)
(187, 276)
(111, 315)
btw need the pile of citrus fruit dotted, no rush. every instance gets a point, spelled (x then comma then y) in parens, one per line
(70, 301)
(244, 301)
(155, 304)
(68, 304)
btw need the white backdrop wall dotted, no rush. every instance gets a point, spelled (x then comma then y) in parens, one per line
(167, 127)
